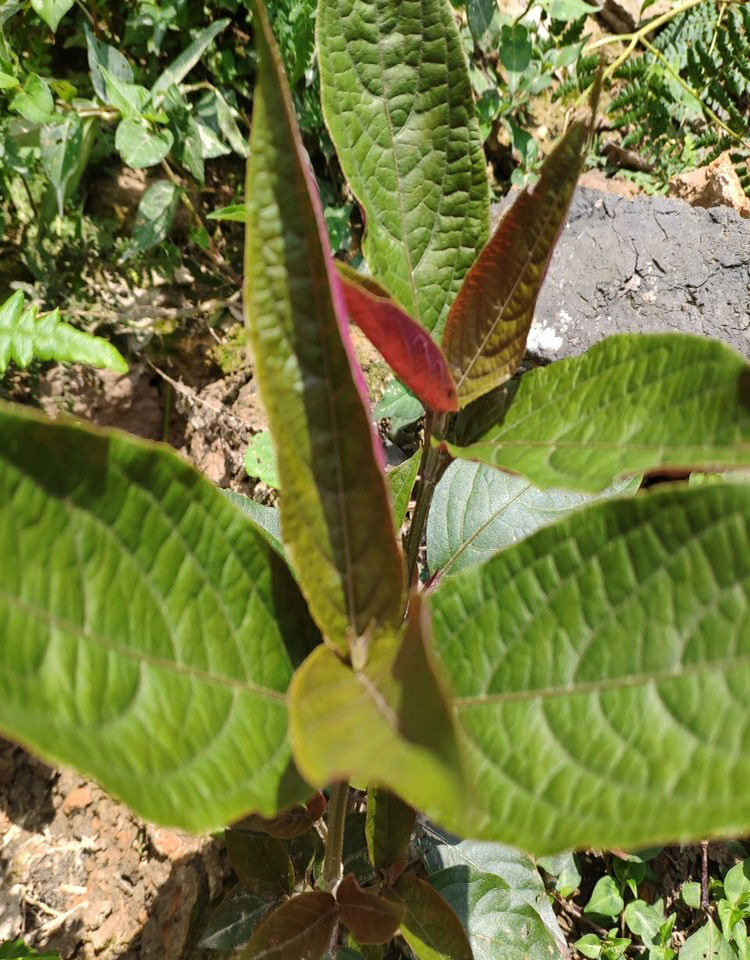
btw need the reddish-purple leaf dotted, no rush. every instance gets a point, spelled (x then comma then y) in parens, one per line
(336, 517)
(485, 334)
(369, 916)
(302, 928)
(404, 343)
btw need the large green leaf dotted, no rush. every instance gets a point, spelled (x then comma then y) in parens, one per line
(497, 924)
(477, 510)
(388, 724)
(633, 403)
(142, 626)
(25, 337)
(398, 102)
(601, 671)
(336, 516)
(441, 851)
(486, 330)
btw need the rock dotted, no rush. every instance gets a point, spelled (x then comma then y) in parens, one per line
(716, 185)
(646, 265)
(597, 180)
(11, 911)
(623, 16)
(77, 799)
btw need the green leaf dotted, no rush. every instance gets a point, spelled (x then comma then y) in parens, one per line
(335, 511)
(486, 330)
(141, 146)
(61, 145)
(233, 921)
(691, 894)
(143, 626)
(129, 98)
(633, 403)
(645, 921)
(564, 868)
(34, 101)
(737, 882)
(411, 153)
(389, 826)
(399, 732)
(610, 637)
(589, 945)
(479, 15)
(300, 929)
(399, 405)
(401, 480)
(235, 212)
(227, 118)
(25, 337)
(440, 851)
(261, 863)
(497, 924)
(7, 81)
(266, 519)
(51, 11)
(370, 916)
(356, 856)
(156, 211)
(515, 48)
(101, 55)
(605, 899)
(176, 72)
(706, 943)
(260, 459)
(478, 510)
(569, 9)
(431, 927)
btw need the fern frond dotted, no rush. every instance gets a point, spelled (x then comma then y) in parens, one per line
(25, 336)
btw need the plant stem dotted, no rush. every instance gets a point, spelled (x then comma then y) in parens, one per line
(429, 474)
(335, 842)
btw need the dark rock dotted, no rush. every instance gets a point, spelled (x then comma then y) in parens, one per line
(643, 265)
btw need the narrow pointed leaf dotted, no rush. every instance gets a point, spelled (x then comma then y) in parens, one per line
(398, 103)
(401, 480)
(370, 917)
(440, 850)
(485, 334)
(600, 671)
(336, 516)
(25, 337)
(176, 72)
(478, 510)
(389, 724)
(632, 404)
(390, 823)
(497, 925)
(431, 926)
(408, 348)
(143, 626)
(300, 929)
(261, 863)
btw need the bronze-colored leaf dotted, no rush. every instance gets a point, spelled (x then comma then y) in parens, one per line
(369, 915)
(260, 862)
(303, 928)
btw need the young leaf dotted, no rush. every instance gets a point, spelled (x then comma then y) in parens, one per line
(102, 55)
(141, 146)
(61, 145)
(176, 72)
(401, 481)
(399, 405)
(233, 921)
(300, 929)
(398, 730)
(615, 633)
(260, 460)
(51, 11)
(266, 519)
(335, 512)
(398, 103)
(633, 403)
(143, 637)
(34, 101)
(439, 851)
(369, 916)
(479, 15)
(478, 510)
(25, 337)
(408, 348)
(156, 212)
(235, 213)
(261, 863)
(389, 826)
(605, 899)
(431, 927)
(486, 330)
(496, 923)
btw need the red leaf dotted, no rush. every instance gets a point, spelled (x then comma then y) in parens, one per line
(405, 344)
